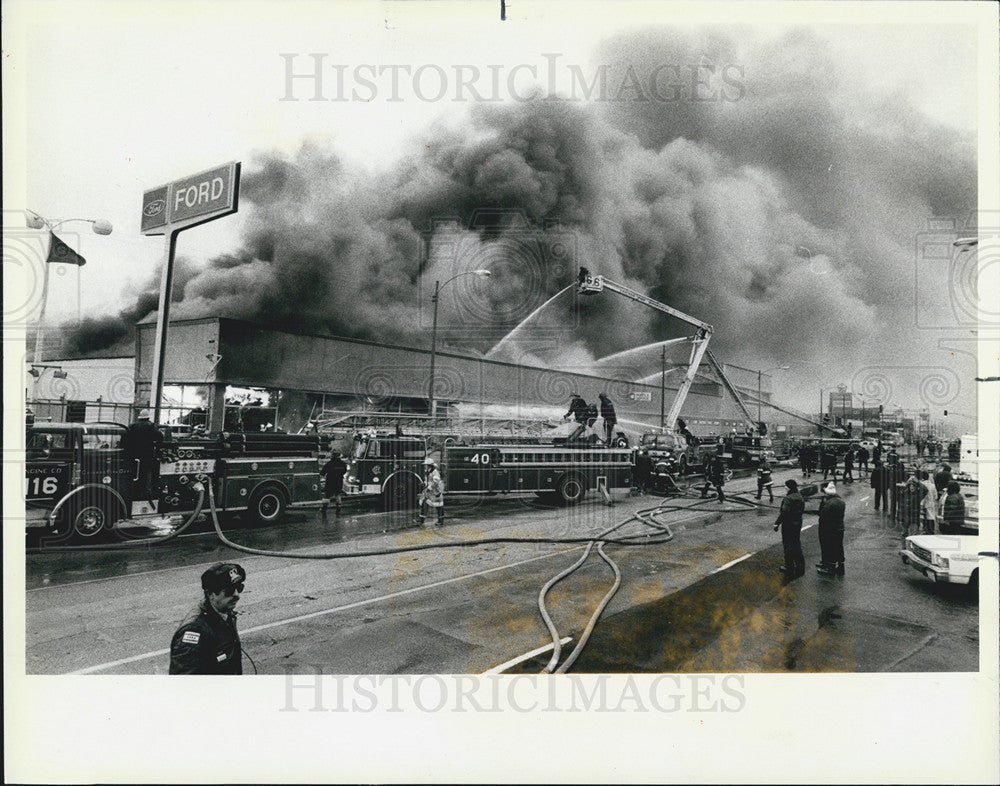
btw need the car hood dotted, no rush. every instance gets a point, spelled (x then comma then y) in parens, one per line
(946, 542)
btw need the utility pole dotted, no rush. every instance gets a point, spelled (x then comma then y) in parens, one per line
(663, 383)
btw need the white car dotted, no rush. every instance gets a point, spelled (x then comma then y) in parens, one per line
(952, 559)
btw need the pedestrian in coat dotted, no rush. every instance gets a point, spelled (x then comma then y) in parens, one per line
(206, 641)
(880, 485)
(610, 418)
(877, 452)
(790, 522)
(715, 475)
(953, 510)
(831, 532)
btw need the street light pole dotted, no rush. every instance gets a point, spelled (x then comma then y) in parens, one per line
(37, 221)
(438, 286)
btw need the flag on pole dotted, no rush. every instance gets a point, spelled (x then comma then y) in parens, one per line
(62, 254)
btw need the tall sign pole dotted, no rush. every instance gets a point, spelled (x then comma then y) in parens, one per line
(168, 210)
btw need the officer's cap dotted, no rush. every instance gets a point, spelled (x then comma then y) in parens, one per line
(223, 576)
(143, 414)
(792, 484)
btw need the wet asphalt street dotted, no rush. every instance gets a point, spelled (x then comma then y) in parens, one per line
(708, 600)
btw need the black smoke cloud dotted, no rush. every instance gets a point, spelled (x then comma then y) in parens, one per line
(784, 213)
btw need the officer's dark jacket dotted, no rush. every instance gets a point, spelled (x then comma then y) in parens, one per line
(140, 440)
(792, 507)
(831, 513)
(205, 643)
(608, 410)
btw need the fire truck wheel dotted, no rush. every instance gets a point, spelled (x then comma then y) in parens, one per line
(743, 460)
(266, 505)
(571, 488)
(89, 519)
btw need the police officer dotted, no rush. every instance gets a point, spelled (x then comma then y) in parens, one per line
(140, 443)
(207, 641)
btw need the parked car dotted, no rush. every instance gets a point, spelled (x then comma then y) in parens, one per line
(952, 559)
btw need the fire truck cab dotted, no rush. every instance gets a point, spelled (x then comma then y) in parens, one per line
(386, 465)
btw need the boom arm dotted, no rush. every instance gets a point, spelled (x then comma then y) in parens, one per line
(590, 285)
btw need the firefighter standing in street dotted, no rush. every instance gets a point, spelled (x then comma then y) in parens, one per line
(207, 641)
(333, 481)
(610, 418)
(790, 522)
(831, 532)
(139, 444)
(764, 479)
(715, 475)
(433, 493)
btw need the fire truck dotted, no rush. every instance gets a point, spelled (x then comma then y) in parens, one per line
(78, 471)
(390, 466)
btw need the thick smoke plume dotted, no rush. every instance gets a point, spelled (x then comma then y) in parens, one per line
(784, 215)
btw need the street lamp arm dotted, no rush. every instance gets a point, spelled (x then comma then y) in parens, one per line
(100, 226)
(439, 287)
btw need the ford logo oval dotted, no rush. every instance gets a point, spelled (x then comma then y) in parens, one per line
(154, 208)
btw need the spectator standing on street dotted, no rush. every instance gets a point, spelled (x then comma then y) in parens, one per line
(911, 501)
(333, 481)
(804, 459)
(831, 532)
(813, 459)
(862, 461)
(140, 444)
(942, 478)
(206, 641)
(609, 416)
(877, 452)
(880, 483)
(764, 479)
(790, 522)
(953, 510)
(897, 475)
(433, 493)
(930, 503)
(715, 475)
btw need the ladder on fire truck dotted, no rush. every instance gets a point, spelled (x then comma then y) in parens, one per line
(497, 429)
(589, 284)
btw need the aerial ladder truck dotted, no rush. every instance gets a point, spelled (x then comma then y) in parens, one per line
(589, 284)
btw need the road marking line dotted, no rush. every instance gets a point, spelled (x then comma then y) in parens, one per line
(345, 607)
(526, 656)
(730, 564)
(865, 499)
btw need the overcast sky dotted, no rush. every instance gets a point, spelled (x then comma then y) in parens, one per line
(112, 99)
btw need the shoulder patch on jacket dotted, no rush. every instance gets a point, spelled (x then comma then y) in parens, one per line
(191, 637)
